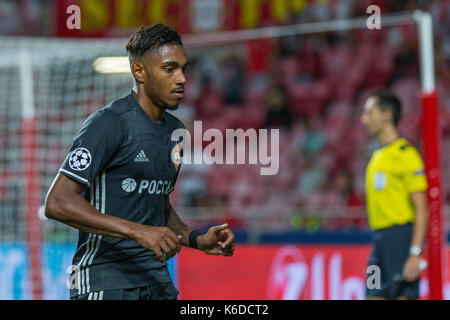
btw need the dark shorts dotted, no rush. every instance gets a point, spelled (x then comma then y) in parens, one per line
(161, 291)
(390, 251)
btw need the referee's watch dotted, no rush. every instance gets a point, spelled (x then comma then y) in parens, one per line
(415, 251)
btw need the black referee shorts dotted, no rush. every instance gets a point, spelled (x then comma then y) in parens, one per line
(390, 251)
(160, 291)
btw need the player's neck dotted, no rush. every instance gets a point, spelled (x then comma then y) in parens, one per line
(147, 105)
(387, 136)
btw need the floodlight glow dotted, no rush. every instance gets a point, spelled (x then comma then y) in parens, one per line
(112, 65)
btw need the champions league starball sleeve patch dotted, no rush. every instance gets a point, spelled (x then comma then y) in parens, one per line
(93, 146)
(80, 159)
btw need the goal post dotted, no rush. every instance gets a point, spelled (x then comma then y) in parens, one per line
(431, 134)
(31, 173)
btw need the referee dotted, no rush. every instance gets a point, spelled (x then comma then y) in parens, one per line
(114, 184)
(396, 200)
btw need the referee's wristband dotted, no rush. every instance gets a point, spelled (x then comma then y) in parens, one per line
(193, 239)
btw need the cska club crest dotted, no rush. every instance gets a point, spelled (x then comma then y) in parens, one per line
(176, 157)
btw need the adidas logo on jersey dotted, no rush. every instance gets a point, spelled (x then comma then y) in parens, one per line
(141, 157)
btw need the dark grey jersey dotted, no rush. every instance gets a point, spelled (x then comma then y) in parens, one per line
(125, 160)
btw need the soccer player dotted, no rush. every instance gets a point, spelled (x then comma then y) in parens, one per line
(114, 185)
(396, 200)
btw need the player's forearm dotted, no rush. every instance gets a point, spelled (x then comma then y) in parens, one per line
(80, 214)
(174, 222)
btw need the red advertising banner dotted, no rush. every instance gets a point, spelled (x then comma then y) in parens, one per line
(291, 272)
(115, 18)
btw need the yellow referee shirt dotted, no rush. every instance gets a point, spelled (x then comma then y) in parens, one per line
(393, 173)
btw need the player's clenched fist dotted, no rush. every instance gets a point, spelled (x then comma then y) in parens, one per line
(161, 240)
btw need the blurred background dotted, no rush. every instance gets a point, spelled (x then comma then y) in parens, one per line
(311, 87)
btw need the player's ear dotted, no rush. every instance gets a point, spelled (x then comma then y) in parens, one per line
(138, 70)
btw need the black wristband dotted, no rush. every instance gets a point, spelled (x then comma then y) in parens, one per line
(193, 239)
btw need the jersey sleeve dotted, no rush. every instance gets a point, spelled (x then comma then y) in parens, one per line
(414, 171)
(93, 146)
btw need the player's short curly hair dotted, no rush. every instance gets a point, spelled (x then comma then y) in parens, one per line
(151, 37)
